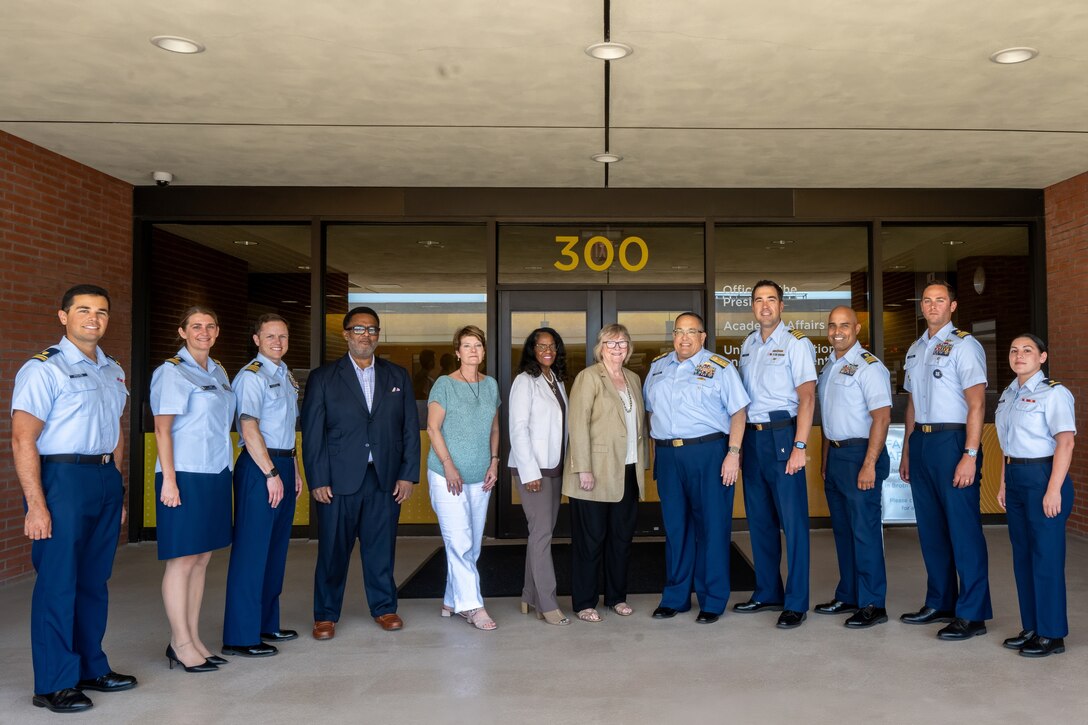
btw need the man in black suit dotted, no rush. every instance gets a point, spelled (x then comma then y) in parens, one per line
(360, 448)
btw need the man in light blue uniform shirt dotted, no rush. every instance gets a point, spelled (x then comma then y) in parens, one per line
(66, 437)
(778, 367)
(696, 401)
(945, 374)
(266, 487)
(855, 409)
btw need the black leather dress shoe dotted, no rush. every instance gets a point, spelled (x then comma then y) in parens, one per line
(835, 607)
(962, 629)
(927, 615)
(280, 635)
(790, 619)
(67, 700)
(109, 682)
(867, 616)
(664, 613)
(753, 606)
(1043, 646)
(707, 618)
(1025, 636)
(250, 650)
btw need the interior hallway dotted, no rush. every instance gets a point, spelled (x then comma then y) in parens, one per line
(624, 670)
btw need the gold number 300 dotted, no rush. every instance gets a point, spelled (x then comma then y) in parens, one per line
(572, 260)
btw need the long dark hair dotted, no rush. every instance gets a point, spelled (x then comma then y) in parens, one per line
(528, 362)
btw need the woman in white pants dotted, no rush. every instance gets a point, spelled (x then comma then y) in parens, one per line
(462, 468)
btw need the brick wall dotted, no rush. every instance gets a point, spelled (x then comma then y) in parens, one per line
(61, 224)
(1067, 312)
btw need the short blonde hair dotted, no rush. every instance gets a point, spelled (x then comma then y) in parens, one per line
(468, 331)
(607, 332)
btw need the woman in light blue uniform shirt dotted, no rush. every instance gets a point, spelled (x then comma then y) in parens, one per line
(193, 407)
(1036, 426)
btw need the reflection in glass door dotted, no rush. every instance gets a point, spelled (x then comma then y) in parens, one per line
(577, 316)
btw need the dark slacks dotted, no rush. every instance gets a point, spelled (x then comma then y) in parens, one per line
(70, 603)
(602, 530)
(855, 521)
(541, 512)
(1038, 548)
(949, 526)
(369, 515)
(697, 511)
(259, 552)
(773, 500)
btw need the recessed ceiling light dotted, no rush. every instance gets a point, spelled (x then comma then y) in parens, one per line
(176, 44)
(679, 266)
(1014, 55)
(246, 243)
(609, 51)
(606, 158)
(304, 267)
(289, 302)
(782, 242)
(429, 243)
(533, 268)
(898, 266)
(952, 243)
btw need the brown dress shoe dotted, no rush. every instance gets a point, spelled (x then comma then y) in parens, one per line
(390, 622)
(324, 630)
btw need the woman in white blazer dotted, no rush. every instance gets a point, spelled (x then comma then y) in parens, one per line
(538, 434)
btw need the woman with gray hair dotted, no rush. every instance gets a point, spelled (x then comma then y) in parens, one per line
(604, 473)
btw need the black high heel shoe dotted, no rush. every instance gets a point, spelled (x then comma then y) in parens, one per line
(172, 658)
(217, 660)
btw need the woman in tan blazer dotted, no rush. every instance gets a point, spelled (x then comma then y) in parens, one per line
(604, 473)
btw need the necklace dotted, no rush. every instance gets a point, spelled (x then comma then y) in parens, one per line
(476, 390)
(626, 400)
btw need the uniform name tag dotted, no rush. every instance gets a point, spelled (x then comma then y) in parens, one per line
(78, 375)
(208, 387)
(274, 385)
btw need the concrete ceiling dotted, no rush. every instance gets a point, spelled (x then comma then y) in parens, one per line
(719, 93)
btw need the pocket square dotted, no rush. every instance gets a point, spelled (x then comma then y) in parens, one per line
(395, 390)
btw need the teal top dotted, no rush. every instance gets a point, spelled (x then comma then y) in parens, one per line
(470, 409)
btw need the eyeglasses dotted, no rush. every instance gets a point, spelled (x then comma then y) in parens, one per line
(686, 332)
(616, 344)
(546, 348)
(365, 330)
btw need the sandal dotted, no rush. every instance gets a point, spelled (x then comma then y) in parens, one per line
(589, 615)
(623, 609)
(446, 611)
(479, 619)
(555, 616)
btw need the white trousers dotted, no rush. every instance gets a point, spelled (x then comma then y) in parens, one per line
(461, 519)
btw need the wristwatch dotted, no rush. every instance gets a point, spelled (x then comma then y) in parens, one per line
(734, 449)
(971, 452)
(800, 444)
(272, 474)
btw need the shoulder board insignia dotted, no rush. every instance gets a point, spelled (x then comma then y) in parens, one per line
(753, 332)
(111, 357)
(719, 361)
(869, 357)
(253, 367)
(664, 354)
(45, 354)
(961, 333)
(176, 360)
(798, 334)
(217, 362)
(1051, 383)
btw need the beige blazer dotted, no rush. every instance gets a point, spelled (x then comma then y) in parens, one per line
(598, 435)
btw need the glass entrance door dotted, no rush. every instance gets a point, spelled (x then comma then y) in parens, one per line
(577, 315)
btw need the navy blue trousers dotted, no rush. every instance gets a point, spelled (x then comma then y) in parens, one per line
(949, 526)
(369, 515)
(258, 554)
(774, 500)
(70, 602)
(855, 521)
(698, 514)
(1038, 548)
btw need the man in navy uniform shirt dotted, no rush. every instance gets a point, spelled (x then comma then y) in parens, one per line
(945, 374)
(66, 436)
(855, 409)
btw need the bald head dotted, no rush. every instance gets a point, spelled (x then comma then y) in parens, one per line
(842, 329)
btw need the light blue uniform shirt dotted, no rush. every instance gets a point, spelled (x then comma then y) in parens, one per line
(1029, 417)
(692, 398)
(202, 404)
(849, 388)
(937, 371)
(79, 401)
(773, 370)
(268, 392)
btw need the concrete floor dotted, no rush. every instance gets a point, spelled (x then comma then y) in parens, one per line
(629, 670)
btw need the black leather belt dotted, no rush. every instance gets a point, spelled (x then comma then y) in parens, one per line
(849, 442)
(774, 424)
(96, 459)
(281, 452)
(678, 442)
(938, 427)
(1027, 461)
